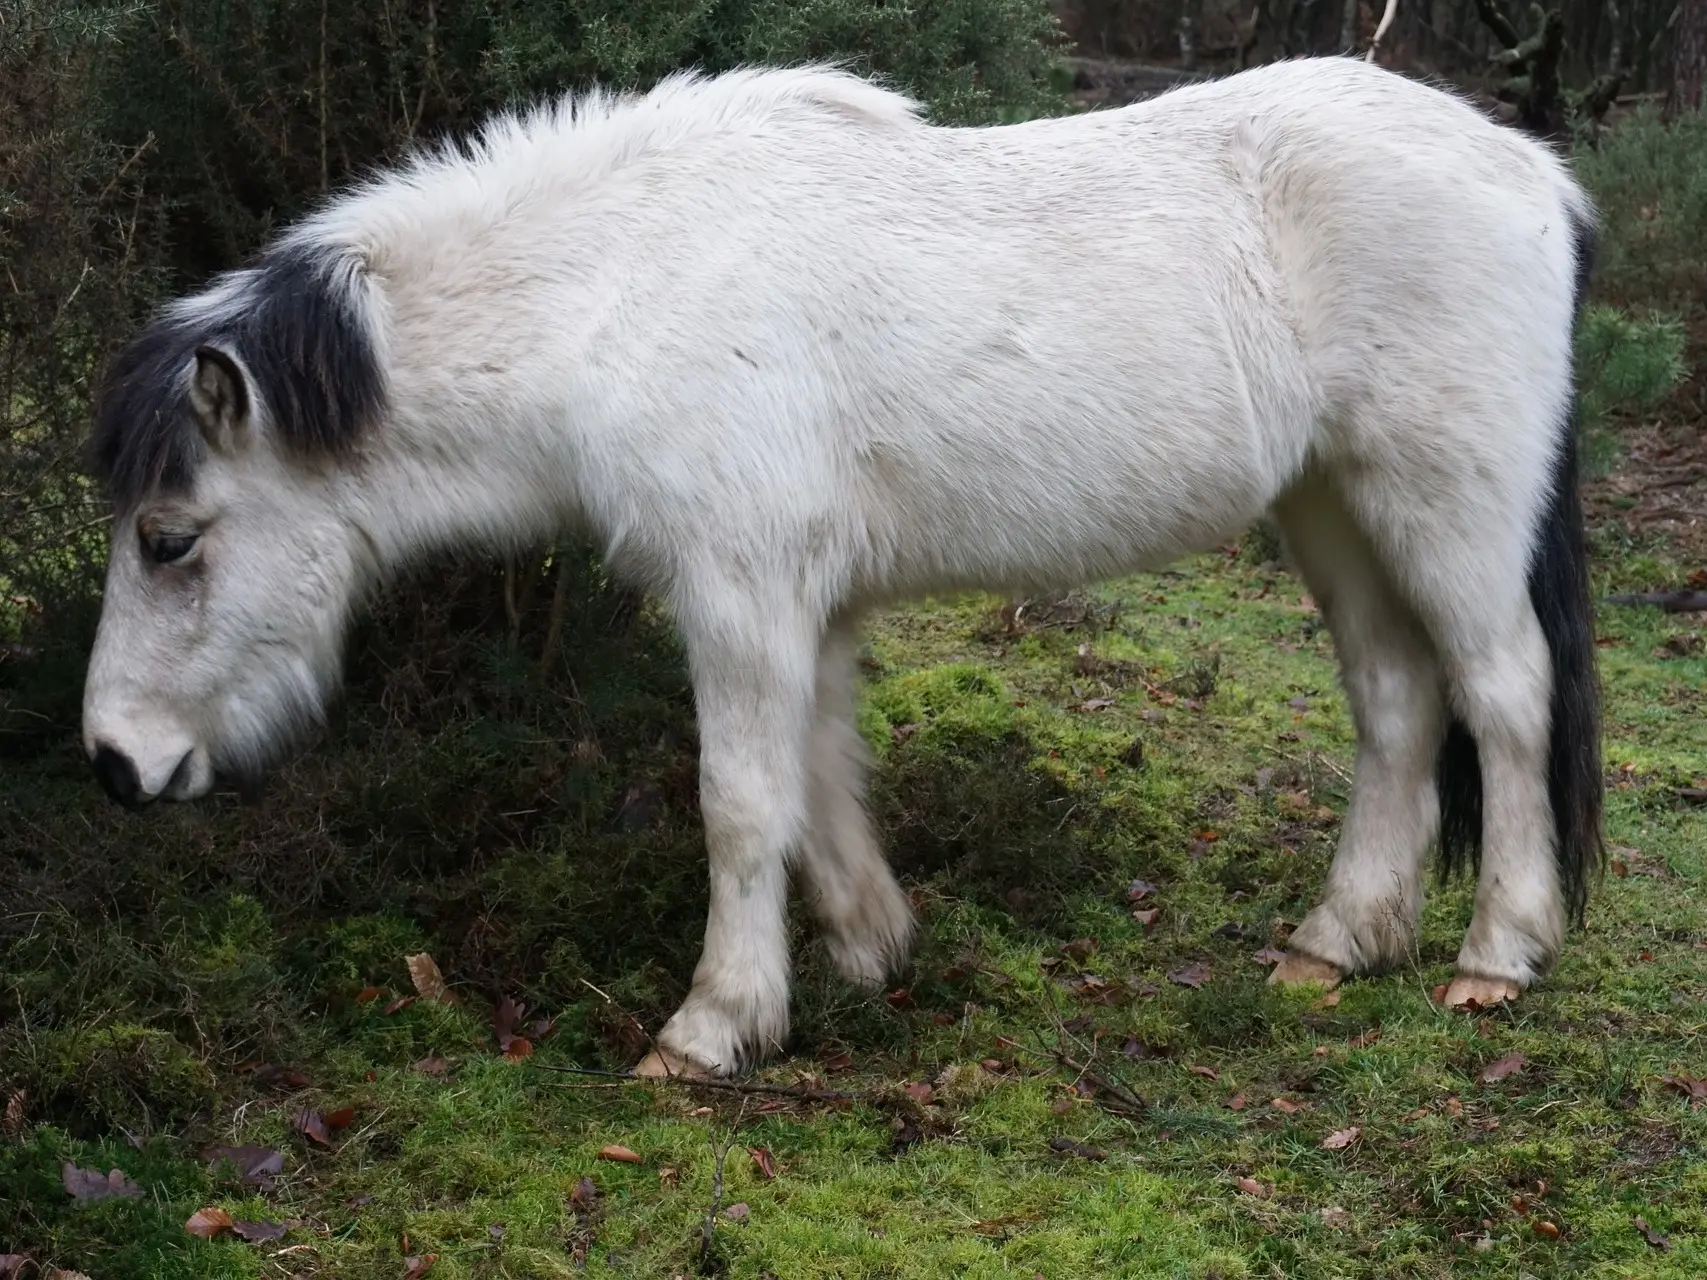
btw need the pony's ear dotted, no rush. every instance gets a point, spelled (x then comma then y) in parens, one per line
(219, 395)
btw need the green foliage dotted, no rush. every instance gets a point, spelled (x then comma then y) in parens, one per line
(1648, 178)
(1625, 365)
(259, 107)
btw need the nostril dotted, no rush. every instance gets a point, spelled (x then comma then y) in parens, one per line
(118, 776)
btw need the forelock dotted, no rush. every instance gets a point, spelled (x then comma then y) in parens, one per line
(296, 320)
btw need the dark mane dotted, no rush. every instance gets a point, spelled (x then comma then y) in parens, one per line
(293, 321)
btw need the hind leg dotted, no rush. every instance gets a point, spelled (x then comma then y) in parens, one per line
(867, 921)
(1368, 913)
(1460, 554)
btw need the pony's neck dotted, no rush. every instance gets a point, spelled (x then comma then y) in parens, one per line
(475, 477)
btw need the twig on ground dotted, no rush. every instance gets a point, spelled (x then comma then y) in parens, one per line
(1125, 1102)
(708, 1231)
(800, 1092)
(1670, 601)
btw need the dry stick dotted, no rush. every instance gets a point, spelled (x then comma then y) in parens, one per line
(1130, 1103)
(710, 1228)
(554, 619)
(1381, 28)
(1670, 601)
(727, 1086)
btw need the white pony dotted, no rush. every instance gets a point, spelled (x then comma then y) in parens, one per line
(788, 352)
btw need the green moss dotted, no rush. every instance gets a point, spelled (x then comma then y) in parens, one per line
(119, 1077)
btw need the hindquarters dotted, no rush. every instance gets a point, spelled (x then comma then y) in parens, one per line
(1440, 331)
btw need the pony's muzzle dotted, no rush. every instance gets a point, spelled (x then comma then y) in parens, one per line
(118, 776)
(122, 781)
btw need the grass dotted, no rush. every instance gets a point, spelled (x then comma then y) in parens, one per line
(1182, 728)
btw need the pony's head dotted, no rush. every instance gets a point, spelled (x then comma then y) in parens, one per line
(227, 432)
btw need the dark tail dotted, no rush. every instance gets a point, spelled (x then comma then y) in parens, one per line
(1559, 593)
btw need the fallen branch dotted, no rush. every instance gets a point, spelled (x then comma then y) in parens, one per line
(1670, 601)
(709, 1231)
(799, 1092)
(1126, 1102)
(1387, 17)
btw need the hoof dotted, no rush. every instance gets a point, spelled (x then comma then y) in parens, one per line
(662, 1064)
(1297, 970)
(1478, 993)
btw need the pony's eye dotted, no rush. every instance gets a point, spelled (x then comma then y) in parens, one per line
(169, 547)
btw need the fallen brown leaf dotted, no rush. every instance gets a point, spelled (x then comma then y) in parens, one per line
(279, 1077)
(417, 1265)
(586, 1191)
(1236, 1102)
(1453, 1106)
(1193, 975)
(1546, 1230)
(622, 1155)
(340, 1119)
(311, 1124)
(1208, 1073)
(1147, 916)
(1340, 1139)
(90, 1184)
(209, 1222)
(369, 993)
(1288, 1107)
(256, 1232)
(1061, 1106)
(1418, 1114)
(257, 1165)
(1365, 1040)
(519, 1047)
(918, 1091)
(763, 1160)
(1138, 890)
(433, 1066)
(737, 1212)
(1500, 1069)
(1336, 1217)
(841, 1060)
(399, 1004)
(1690, 1086)
(1619, 867)
(1658, 1239)
(504, 1020)
(1251, 1187)
(1327, 1000)
(429, 982)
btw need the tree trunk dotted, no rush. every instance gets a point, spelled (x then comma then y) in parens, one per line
(1689, 56)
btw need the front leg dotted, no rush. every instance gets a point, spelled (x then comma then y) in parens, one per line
(753, 667)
